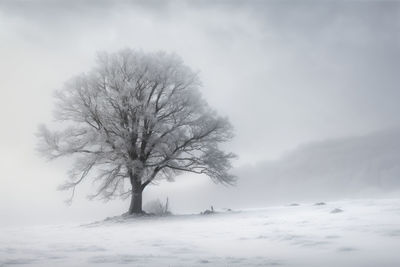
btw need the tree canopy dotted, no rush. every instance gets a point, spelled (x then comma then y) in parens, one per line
(136, 117)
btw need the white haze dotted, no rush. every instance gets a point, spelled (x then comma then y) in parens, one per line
(353, 167)
(286, 73)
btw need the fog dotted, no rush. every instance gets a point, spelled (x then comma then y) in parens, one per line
(311, 88)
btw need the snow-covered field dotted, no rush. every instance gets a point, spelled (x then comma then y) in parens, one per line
(365, 233)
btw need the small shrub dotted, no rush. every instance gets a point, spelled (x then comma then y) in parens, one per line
(156, 207)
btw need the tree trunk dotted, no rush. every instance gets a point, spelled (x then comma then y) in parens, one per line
(137, 189)
(136, 201)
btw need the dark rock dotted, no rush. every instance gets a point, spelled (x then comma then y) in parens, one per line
(336, 211)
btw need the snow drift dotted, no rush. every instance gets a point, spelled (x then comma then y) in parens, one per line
(366, 233)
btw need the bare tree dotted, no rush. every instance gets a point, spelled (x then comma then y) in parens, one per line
(136, 117)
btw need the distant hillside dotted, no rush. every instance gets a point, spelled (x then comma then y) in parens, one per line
(356, 166)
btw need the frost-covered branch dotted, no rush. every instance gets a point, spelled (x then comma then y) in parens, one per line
(137, 116)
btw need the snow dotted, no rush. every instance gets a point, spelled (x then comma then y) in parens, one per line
(366, 233)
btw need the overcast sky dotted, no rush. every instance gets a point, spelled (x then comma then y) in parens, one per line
(285, 72)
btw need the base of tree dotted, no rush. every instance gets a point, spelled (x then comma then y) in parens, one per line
(136, 214)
